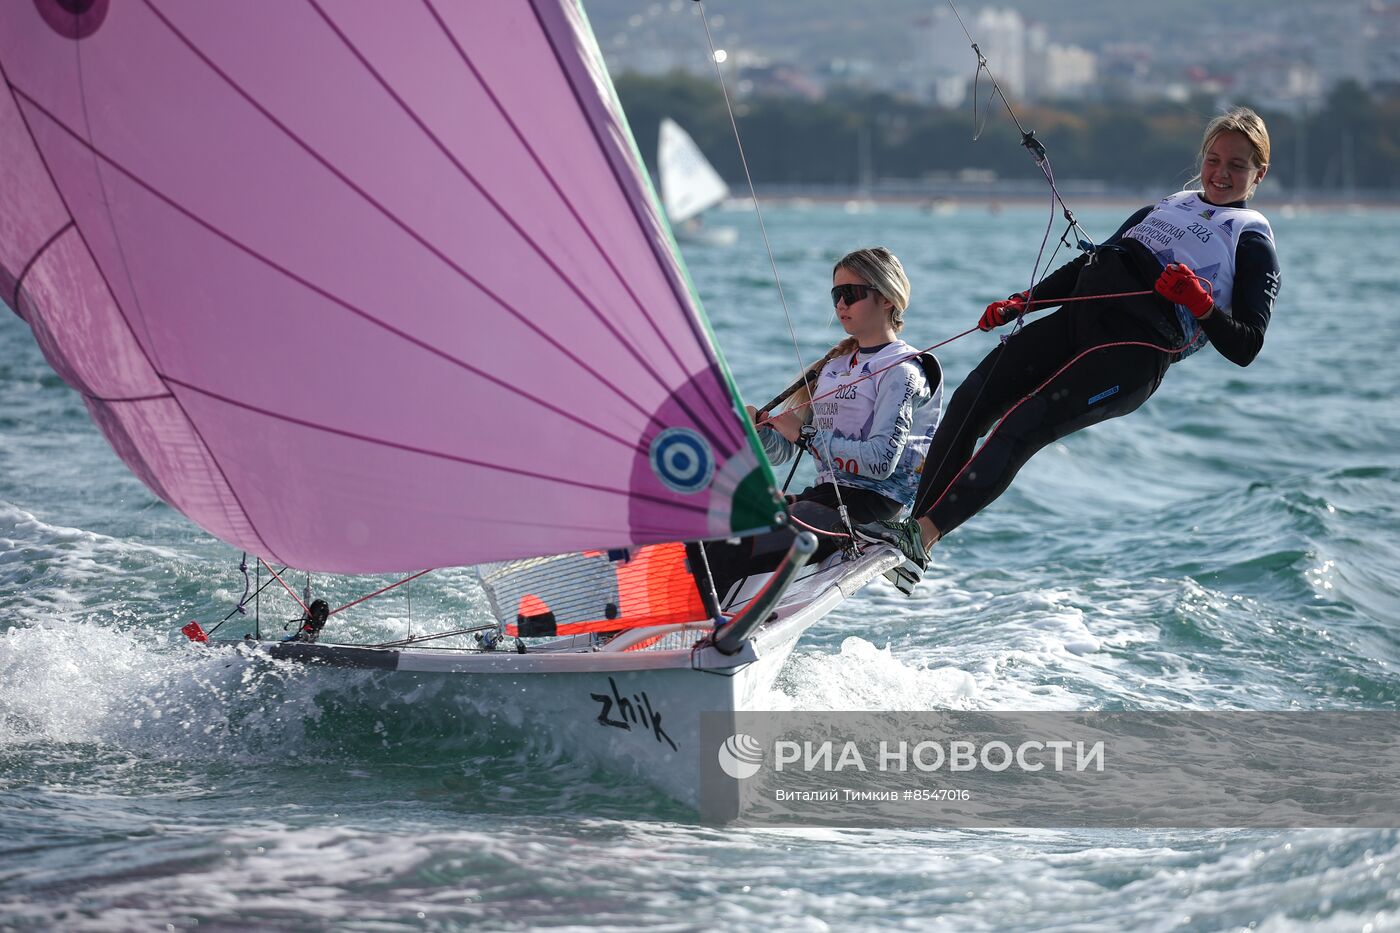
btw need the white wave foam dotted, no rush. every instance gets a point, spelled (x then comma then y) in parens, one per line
(30, 531)
(864, 677)
(74, 683)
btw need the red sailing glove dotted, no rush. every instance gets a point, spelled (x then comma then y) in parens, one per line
(999, 312)
(1179, 285)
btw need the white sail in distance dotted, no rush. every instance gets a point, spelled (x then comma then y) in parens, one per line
(689, 184)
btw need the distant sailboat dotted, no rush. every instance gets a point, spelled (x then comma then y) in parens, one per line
(689, 187)
(376, 287)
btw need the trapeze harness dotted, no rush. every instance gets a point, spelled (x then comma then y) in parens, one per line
(1098, 359)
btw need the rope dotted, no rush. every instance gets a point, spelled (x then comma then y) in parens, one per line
(763, 229)
(905, 359)
(284, 585)
(1036, 391)
(1002, 420)
(1103, 346)
(241, 607)
(1037, 151)
(818, 531)
(380, 591)
(262, 586)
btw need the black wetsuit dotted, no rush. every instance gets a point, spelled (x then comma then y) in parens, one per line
(1088, 383)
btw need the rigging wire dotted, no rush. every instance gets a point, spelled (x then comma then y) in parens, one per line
(1028, 139)
(1047, 302)
(772, 261)
(753, 194)
(290, 591)
(1037, 151)
(241, 608)
(412, 639)
(1084, 243)
(383, 590)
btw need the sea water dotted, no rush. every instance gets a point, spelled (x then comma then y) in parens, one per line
(1231, 546)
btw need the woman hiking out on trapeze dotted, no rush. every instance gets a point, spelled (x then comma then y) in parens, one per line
(1210, 272)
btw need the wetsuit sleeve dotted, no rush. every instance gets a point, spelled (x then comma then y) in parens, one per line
(878, 454)
(1239, 335)
(1060, 283)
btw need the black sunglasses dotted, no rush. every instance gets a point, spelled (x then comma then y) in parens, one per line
(850, 294)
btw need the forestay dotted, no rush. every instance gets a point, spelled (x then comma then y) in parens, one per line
(364, 286)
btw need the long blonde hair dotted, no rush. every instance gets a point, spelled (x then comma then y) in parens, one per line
(883, 271)
(1248, 124)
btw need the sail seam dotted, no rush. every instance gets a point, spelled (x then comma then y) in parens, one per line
(148, 349)
(400, 223)
(437, 454)
(16, 93)
(573, 286)
(573, 211)
(138, 398)
(19, 282)
(682, 294)
(359, 312)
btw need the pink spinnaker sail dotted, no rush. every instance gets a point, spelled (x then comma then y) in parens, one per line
(364, 286)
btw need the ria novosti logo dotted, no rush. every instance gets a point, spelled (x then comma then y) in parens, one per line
(741, 756)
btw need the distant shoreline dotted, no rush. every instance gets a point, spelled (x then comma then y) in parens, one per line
(1078, 194)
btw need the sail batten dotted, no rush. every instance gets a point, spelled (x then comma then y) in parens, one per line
(355, 285)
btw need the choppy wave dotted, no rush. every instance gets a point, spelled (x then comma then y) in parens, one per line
(1230, 546)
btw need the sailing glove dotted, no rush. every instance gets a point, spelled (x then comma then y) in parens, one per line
(999, 312)
(1179, 285)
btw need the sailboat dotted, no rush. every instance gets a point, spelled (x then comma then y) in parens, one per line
(690, 186)
(375, 288)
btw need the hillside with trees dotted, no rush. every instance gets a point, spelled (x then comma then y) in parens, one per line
(1350, 145)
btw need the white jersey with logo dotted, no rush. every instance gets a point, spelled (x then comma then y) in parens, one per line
(872, 433)
(1186, 228)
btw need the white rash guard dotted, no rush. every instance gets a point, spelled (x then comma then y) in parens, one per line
(873, 433)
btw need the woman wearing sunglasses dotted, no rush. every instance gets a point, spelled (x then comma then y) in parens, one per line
(876, 405)
(1097, 359)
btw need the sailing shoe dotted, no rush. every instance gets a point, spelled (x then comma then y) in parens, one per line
(903, 535)
(905, 577)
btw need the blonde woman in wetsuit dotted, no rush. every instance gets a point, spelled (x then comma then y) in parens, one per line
(1208, 265)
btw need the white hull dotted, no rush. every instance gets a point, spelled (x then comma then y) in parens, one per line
(634, 712)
